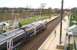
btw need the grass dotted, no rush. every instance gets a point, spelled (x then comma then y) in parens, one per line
(32, 19)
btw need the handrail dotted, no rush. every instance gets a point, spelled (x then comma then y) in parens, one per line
(65, 42)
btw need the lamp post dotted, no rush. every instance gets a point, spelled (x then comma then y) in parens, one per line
(61, 15)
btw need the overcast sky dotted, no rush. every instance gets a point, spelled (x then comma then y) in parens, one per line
(36, 3)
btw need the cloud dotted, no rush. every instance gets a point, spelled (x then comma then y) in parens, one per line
(36, 3)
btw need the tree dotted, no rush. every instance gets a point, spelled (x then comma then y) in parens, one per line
(57, 11)
(20, 25)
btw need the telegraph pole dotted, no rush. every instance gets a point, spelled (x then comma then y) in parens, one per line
(61, 15)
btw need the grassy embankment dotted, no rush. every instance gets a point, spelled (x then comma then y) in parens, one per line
(32, 19)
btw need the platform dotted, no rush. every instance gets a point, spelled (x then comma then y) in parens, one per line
(53, 39)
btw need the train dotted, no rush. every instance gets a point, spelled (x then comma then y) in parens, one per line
(16, 37)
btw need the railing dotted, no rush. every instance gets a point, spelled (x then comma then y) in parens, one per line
(70, 43)
(65, 43)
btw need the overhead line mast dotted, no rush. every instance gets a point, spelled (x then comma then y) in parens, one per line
(61, 15)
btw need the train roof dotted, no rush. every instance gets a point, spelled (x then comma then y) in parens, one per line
(29, 27)
(12, 34)
(37, 23)
(2, 39)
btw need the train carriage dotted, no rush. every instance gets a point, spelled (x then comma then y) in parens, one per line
(29, 30)
(20, 35)
(39, 26)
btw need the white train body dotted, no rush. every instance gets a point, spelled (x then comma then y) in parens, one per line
(39, 26)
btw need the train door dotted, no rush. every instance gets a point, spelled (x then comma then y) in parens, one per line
(35, 31)
(10, 44)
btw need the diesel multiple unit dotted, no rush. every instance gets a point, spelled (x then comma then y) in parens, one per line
(10, 40)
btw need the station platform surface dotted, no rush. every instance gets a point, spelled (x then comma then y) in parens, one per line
(53, 39)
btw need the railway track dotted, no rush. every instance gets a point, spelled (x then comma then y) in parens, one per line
(35, 42)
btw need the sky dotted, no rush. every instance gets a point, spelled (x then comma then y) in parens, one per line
(36, 3)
